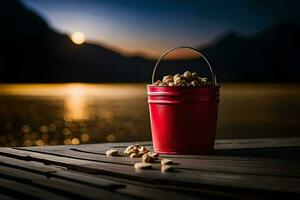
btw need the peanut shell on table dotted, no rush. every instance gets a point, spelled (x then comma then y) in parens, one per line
(167, 168)
(146, 158)
(153, 155)
(141, 165)
(166, 161)
(134, 155)
(112, 152)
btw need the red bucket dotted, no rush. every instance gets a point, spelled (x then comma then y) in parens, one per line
(183, 119)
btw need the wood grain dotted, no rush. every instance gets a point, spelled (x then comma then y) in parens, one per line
(239, 168)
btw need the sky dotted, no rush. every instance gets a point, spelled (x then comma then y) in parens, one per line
(149, 27)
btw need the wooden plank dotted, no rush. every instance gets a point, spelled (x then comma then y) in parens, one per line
(24, 191)
(257, 143)
(132, 188)
(31, 165)
(56, 185)
(288, 148)
(146, 191)
(140, 190)
(253, 143)
(219, 143)
(5, 197)
(201, 192)
(54, 171)
(81, 168)
(185, 178)
(96, 146)
(264, 167)
(280, 153)
(234, 161)
(260, 148)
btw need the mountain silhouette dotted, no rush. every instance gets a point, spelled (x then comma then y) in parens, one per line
(269, 56)
(32, 52)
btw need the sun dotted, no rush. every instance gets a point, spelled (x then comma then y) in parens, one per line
(78, 37)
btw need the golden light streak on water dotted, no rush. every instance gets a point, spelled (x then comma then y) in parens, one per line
(76, 107)
(75, 95)
(33, 114)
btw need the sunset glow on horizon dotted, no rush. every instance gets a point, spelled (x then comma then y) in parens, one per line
(148, 29)
(78, 37)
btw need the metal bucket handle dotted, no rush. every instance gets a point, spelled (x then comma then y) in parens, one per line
(213, 77)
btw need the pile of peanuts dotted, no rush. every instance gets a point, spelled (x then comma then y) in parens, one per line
(138, 151)
(186, 79)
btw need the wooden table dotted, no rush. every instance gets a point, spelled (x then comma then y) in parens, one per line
(239, 169)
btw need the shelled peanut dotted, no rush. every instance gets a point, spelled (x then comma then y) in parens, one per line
(186, 79)
(147, 158)
(135, 151)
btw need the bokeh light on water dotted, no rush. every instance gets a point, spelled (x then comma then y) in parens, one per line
(72, 114)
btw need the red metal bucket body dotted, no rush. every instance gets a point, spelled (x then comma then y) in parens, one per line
(183, 119)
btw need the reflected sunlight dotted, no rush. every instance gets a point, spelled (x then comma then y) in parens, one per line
(76, 108)
(76, 97)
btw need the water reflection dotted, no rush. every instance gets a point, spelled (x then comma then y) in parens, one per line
(75, 103)
(54, 114)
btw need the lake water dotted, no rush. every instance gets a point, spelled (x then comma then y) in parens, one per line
(52, 114)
